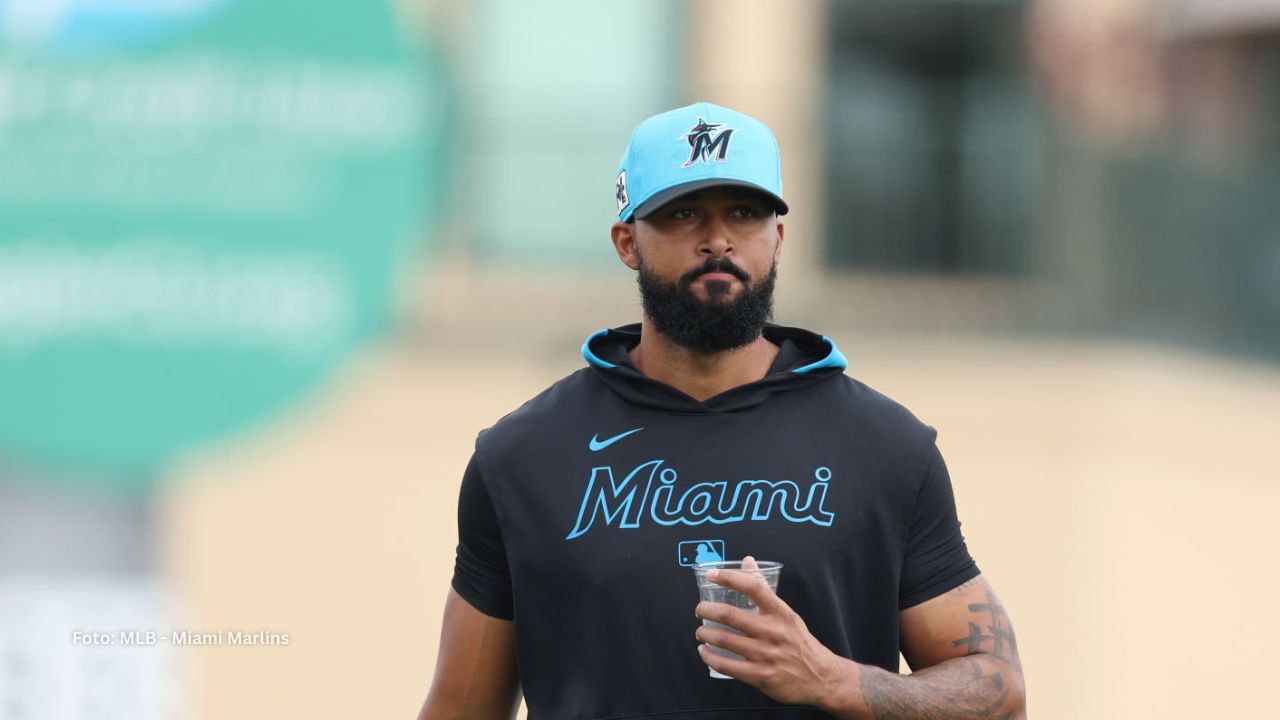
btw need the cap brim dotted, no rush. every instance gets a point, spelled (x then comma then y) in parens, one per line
(662, 197)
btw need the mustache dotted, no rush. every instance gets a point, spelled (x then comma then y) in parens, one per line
(724, 265)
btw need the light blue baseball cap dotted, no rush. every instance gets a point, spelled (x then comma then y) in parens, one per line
(694, 147)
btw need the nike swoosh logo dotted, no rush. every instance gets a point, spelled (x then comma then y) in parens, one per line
(597, 444)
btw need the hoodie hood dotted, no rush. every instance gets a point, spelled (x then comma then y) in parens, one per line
(804, 358)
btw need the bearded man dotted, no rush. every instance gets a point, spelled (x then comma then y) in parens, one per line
(705, 432)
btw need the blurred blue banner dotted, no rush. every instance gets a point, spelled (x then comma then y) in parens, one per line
(202, 203)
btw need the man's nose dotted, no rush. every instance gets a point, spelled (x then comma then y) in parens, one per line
(717, 242)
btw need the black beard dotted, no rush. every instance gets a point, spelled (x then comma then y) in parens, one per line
(713, 325)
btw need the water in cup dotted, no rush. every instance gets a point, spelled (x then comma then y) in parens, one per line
(712, 592)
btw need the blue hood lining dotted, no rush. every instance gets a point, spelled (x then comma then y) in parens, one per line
(591, 356)
(834, 358)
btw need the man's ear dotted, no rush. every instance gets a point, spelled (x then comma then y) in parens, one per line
(624, 242)
(777, 250)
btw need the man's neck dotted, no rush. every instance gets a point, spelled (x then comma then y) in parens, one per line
(700, 376)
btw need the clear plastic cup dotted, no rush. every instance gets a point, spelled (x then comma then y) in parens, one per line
(711, 592)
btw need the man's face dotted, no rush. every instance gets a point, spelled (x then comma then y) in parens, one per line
(707, 264)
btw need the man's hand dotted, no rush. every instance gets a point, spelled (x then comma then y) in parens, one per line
(781, 658)
(959, 675)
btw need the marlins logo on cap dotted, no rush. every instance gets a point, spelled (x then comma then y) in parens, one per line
(690, 148)
(707, 140)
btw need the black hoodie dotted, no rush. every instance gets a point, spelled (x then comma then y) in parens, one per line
(582, 511)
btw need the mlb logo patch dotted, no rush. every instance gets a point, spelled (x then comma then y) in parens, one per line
(620, 190)
(692, 552)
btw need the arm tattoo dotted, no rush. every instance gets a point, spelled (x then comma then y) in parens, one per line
(983, 684)
(958, 690)
(998, 638)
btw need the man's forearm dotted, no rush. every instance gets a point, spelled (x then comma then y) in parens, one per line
(973, 687)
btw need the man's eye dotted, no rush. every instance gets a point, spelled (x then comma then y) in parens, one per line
(747, 211)
(682, 214)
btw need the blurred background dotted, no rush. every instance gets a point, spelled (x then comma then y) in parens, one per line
(267, 267)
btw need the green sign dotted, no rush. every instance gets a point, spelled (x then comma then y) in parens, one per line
(202, 207)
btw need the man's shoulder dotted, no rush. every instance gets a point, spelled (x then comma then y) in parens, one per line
(559, 403)
(876, 412)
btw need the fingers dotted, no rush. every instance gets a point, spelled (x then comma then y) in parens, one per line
(746, 621)
(732, 667)
(743, 645)
(749, 563)
(753, 585)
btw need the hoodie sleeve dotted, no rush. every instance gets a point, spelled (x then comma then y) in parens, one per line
(480, 573)
(937, 559)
